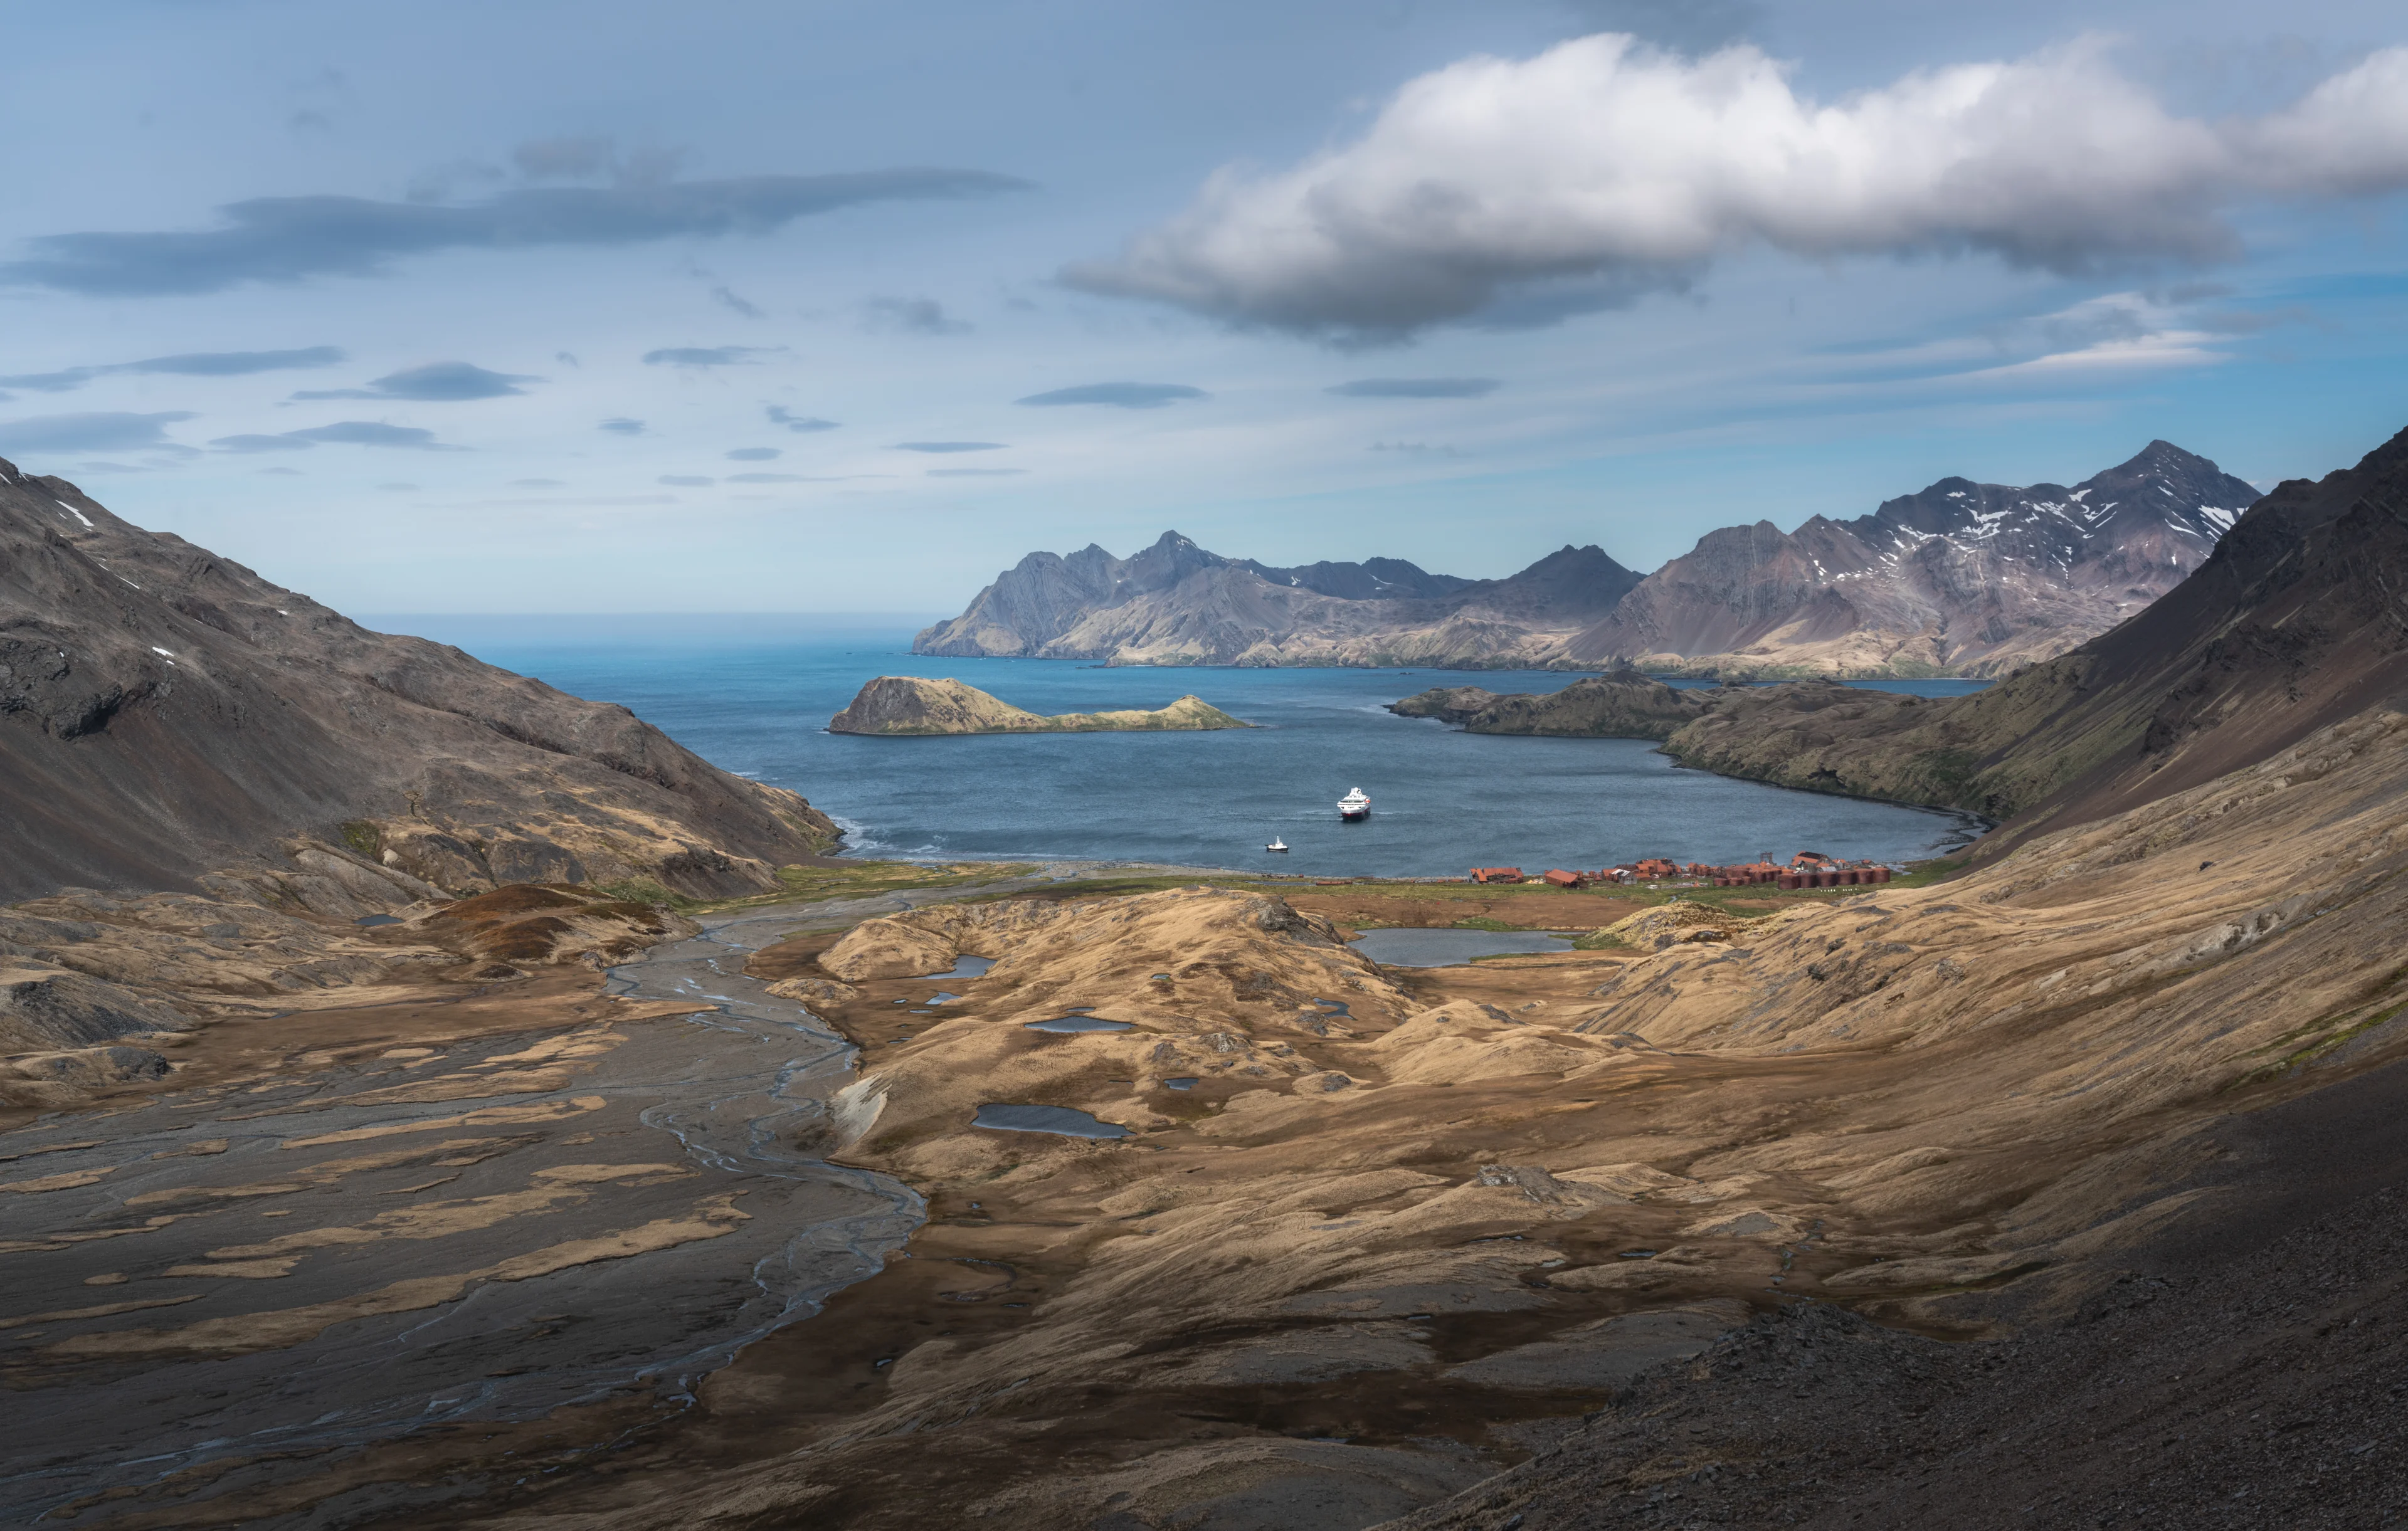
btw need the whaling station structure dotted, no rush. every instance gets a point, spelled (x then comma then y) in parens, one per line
(1806, 869)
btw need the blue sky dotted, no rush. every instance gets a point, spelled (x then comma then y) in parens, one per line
(842, 307)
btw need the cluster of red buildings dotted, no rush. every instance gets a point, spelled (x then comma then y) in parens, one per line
(1807, 869)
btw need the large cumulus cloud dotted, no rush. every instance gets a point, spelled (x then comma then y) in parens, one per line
(1611, 170)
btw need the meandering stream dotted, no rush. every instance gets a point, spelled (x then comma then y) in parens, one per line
(381, 1232)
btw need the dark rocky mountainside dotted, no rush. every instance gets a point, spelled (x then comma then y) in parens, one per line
(1625, 705)
(2298, 619)
(1174, 603)
(166, 712)
(1962, 578)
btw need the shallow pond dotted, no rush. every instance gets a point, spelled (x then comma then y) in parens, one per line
(1054, 1119)
(1447, 948)
(1069, 1024)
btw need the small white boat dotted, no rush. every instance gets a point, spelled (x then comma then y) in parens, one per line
(1277, 844)
(1354, 805)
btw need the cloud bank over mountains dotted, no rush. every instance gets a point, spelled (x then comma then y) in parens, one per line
(1614, 169)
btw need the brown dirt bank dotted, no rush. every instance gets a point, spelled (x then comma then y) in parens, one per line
(1369, 1253)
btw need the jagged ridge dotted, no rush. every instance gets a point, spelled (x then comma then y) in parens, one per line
(1960, 579)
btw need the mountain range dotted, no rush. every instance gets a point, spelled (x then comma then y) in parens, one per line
(2296, 622)
(1962, 579)
(1176, 603)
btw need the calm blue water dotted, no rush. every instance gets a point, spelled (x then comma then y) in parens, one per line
(755, 695)
(1447, 948)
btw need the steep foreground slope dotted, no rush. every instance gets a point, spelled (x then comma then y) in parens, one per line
(1962, 579)
(166, 712)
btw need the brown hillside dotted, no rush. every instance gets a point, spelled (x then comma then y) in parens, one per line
(164, 711)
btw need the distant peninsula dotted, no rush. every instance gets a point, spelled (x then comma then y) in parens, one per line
(905, 705)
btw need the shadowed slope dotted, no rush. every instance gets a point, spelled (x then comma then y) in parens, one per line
(164, 711)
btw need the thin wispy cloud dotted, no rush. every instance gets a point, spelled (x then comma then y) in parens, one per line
(728, 298)
(754, 455)
(97, 431)
(708, 355)
(349, 432)
(622, 425)
(913, 316)
(974, 472)
(1607, 163)
(279, 239)
(801, 424)
(435, 383)
(1125, 396)
(1415, 388)
(949, 445)
(207, 364)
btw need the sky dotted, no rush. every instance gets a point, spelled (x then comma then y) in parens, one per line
(780, 306)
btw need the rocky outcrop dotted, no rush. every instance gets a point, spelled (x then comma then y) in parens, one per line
(1963, 579)
(45, 1005)
(907, 705)
(166, 712)
(1624, 706)
(1174, 603)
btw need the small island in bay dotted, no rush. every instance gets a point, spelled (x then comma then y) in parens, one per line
(904, 705)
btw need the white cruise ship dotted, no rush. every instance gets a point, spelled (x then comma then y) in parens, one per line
(1355, 804)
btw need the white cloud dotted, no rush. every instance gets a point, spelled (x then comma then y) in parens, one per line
(1615, 168)
(2115, 333)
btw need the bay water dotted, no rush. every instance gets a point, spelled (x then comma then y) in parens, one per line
(753, 694)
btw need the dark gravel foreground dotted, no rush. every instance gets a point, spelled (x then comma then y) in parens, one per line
(2247, 1370)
